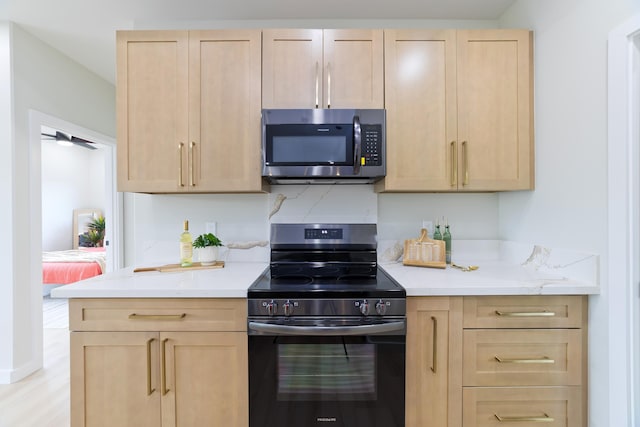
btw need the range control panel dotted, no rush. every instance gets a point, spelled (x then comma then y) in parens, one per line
(323, 233)
(322, 307)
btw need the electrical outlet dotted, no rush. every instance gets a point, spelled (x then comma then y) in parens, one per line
(428, 225)
(210, 227)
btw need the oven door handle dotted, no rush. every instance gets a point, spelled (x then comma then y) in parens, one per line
(377, 329)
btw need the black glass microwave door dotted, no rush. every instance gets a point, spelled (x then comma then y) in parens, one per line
(320, 381)
(309, 145)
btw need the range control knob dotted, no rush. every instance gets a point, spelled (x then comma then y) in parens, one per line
(272, 308)
(364, 308)
(288, 308)
(381, 308)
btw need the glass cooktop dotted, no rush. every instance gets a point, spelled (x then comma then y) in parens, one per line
(379, 285)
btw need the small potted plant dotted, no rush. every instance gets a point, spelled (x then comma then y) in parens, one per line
(207, 246)
(95, 232)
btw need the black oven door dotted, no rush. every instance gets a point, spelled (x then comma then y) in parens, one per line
(324, 379)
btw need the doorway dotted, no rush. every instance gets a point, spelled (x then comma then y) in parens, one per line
(109, 201)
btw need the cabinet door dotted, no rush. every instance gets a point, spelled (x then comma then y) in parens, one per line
(152, 110)
(114, 379)
(206, 379)
(224, 115)
(420, 93)
(292, 68)
(433, 371)
(495, 110)
(353, 69)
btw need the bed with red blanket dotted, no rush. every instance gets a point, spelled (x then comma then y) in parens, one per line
(64, 267)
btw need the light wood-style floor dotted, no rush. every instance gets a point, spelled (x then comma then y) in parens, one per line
(42, 399)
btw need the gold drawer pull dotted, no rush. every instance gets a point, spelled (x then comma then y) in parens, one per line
(545, 419)
(192, 179)
(454, 164)
(525, 314)
(544, 360)
(150, 390)
(135, 316)
(180, 182)
(163, 366)
(434, 354)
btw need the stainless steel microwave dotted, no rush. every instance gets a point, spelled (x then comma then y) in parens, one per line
(323, 146)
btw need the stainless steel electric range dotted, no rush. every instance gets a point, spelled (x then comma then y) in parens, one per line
(327, 332)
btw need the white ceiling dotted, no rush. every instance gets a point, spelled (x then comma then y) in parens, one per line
(85, 29)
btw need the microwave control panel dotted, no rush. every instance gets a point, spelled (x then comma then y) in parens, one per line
(371, 145)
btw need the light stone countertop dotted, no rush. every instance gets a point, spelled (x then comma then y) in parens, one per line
(505, 268)
(231, 281)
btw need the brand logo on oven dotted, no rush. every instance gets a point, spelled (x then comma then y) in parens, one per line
(327, 419)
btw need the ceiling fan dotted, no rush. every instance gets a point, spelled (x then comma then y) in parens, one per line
(61, 137)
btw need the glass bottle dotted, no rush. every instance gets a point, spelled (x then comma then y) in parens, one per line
(447, 242)
(186, 247)
(437, 235)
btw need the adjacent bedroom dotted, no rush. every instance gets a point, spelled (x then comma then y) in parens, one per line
(73, 223)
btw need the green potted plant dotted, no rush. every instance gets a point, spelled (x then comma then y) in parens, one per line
(207, 246)
(95, 232)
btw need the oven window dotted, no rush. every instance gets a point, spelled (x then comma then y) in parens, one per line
(336, 372)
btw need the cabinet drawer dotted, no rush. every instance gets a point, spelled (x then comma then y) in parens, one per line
(548, 406)
(524, 312)
(522, 357)
(163, 314)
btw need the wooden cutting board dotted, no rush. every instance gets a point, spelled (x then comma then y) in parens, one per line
(177, 267)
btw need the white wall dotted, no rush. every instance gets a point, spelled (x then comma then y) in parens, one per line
(6, 182)
(569, 206)
(41, 79)
(72, 178)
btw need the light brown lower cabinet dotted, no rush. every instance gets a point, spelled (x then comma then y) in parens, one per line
(173, 378)
(525, 361)
(496, 361)
(433, 366)
(471, 362)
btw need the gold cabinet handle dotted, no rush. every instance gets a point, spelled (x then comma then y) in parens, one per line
(149, 389)
(434, 354)
(545, 419)
(163, 367)
(328, 85)
(317, 85)
(465, 157)
(180, 182)
(543, 360)
(454, 164)
(192, 181)
(135, 316)
(525, 313)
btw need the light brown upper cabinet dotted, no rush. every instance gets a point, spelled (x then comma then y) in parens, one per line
(459, 110)
(188, 110)
(305, 68)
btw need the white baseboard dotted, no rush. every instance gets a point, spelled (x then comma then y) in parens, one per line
(10, 376)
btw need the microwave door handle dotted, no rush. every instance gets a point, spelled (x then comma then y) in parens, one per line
(357, 145)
